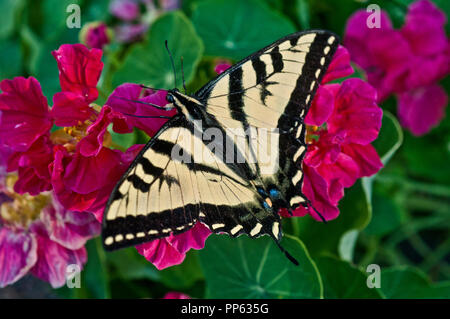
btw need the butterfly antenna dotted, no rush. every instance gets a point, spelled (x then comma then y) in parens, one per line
(151, 88)
(173, 64)
(182, 76)
(310, 205)
(142, 102)
(148, 117)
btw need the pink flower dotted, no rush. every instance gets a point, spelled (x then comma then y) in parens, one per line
(79, 69)
(422, 108)
(126, 10)
(18, 254)
(95, 35)
(175, 295)
(39, 236)
(222, 67)
(405, 61)
(32, 166)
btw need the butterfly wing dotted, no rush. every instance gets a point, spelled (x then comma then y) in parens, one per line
(273, 89)
(168, 188)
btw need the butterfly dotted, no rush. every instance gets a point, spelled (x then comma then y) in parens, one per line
(181, 178)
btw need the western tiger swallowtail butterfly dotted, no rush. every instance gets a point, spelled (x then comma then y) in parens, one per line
(270, 89)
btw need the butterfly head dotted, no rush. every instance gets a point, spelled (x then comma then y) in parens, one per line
(185, 104)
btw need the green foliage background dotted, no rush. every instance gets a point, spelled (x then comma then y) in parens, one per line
(398, 219)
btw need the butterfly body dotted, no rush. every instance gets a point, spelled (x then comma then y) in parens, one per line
(184, 175)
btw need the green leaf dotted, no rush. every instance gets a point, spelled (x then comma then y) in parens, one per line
(386, 215)
(332, 15)
(390, 138)
(303, 14)
(8, 13)
(388, 142)
(95, 11)
(10, 59)
(32, 47)
(122, 141)
(149, 63)
(342, 280)
(320, 237)
(183, 276)
(347, 244)
(130, 265)
(236, 28)
(424, 155)
(255, 268)
(53, 21)
(94, 277)
(408, 282)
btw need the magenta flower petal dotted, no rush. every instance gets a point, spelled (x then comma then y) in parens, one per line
(131, 153)
(170, 251)
(194, 238)
(322, 105)
(30, 182)
(18, 254)
(68, 198)
(96, 35)
(426, 70)
(324, 195)
(132, 91)
(221, 67)
(424, 28)
(345, 170)
(70, 108)
(126, 10)
(79, 69)
(421, 109)
(127, 32)
(87, 174)
(357, 36)
(24, 113)
(340, 65)
(160, 253)
(38, 156)
(92, 143)
(325, 150)
(176, 295)
(53, 258)
(69, 229)
(356, 114)
(365, 156)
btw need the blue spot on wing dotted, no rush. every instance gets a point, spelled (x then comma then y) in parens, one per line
(274, 193)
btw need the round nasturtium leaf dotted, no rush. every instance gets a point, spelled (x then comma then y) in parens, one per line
(255, 268)
(149, 63)
(342, 280)
(405, 282)
(236, 28)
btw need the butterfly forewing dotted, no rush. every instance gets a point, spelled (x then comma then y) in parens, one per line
(273, 89)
